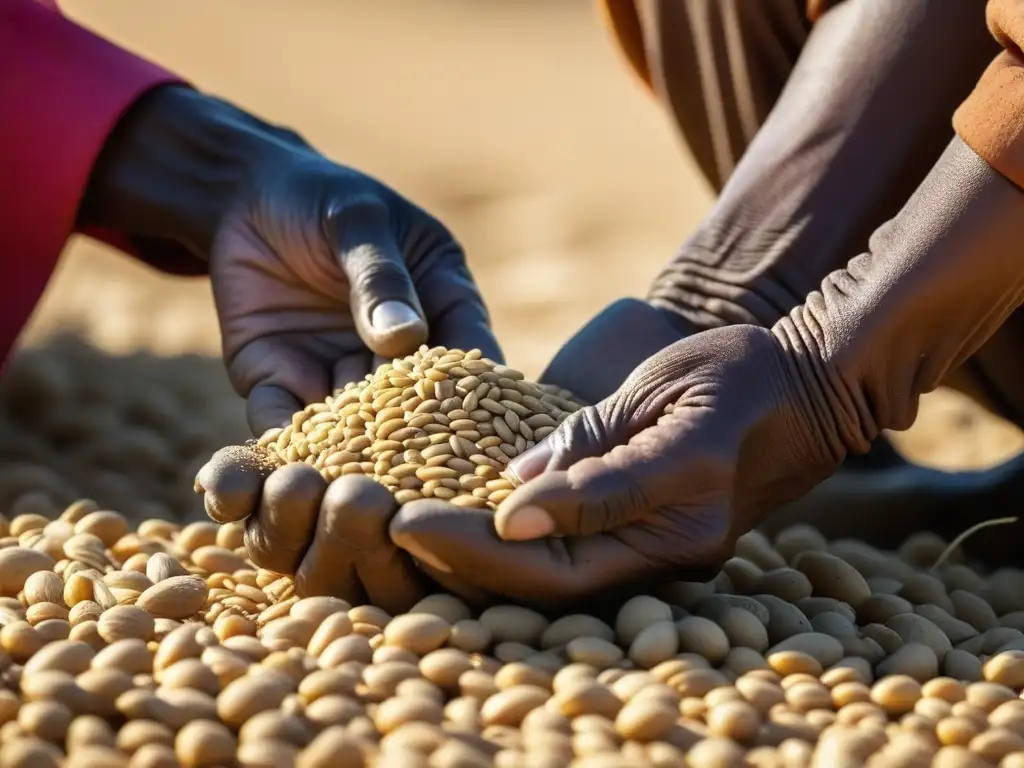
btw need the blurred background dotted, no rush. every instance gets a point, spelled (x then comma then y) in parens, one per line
(514, 121)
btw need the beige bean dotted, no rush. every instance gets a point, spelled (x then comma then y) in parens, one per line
(177, 597)
(420, 633)
(204, 743)
(510, 706)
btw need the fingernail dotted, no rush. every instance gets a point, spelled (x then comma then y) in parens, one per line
(432, 560)
(389, 315)
(528, 465)
(524, 524)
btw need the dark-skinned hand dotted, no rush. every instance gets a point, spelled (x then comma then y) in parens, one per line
(653, 484)
(319, 272)
(333, 539)
(710, 435)
(336, 541)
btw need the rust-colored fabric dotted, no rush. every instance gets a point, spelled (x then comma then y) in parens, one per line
(622, 18)
(991, 120)
(716, 66)
(817, 7)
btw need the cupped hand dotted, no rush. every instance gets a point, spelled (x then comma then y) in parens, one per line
(654, 483)
(332, 538)
(320, 272)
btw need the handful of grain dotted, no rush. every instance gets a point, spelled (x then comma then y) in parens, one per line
(441, 423)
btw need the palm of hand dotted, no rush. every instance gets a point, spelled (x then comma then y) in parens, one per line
(324, 273)
(286, 321)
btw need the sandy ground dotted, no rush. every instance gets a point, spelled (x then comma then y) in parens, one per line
(512, 120)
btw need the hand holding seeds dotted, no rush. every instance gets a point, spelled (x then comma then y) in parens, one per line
(699, 443)
(318, 495)
(316, 268)
(321, 274)
(332, 539)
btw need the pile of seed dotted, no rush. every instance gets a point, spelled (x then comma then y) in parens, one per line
(163, 646)
(441, 423)
(130, 431)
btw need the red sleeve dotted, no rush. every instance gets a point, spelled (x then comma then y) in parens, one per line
(62, 90)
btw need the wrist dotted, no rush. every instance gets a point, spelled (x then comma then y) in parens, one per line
(934, 285)
(173, 165)
(832, 409)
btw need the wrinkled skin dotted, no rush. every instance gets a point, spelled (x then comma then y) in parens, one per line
(636, 498)
(300, 271)
(319, 272)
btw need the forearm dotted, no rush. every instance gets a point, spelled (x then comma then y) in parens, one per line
(936, 282)
(851, 136)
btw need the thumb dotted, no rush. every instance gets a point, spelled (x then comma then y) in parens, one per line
(595, 495)
(573, 486)
(387, 313)
(616, 476)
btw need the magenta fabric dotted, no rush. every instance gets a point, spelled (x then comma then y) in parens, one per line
(62, 90)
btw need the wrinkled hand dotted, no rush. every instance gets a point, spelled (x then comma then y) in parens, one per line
(656, 481)
(320, 273)
(318, 270)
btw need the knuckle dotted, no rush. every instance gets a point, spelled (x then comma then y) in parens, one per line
(293, 484)
(370, 272)
(581, 435)
(360, 203)
(431, 249)
(267, 553)
(357, 511)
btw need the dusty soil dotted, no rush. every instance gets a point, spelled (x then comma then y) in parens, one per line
(515, 122)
